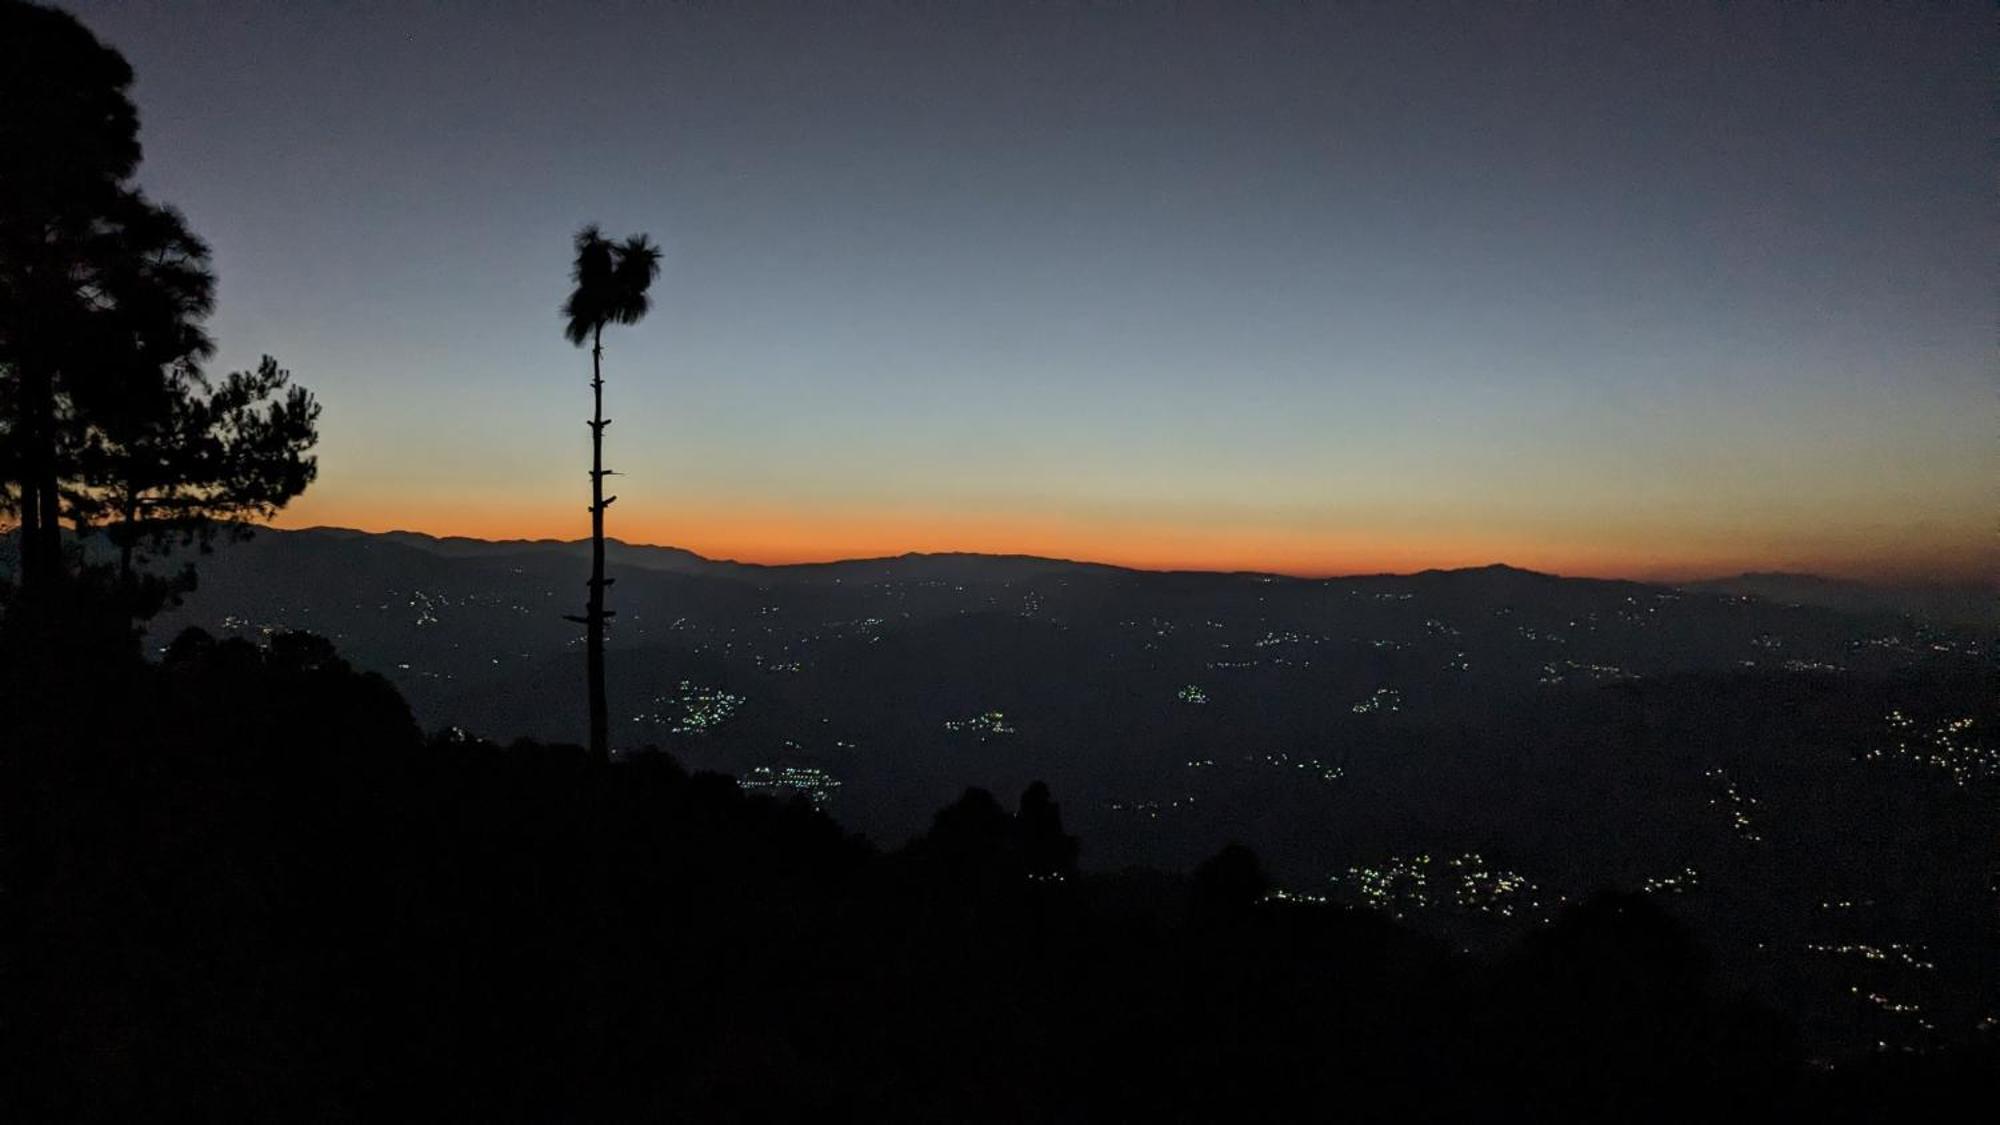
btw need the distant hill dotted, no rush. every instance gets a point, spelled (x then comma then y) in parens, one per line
(462, 547)
(955, 565)
(1972, 605)
(1965, 605)
(474, 633)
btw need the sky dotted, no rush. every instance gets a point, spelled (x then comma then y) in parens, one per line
(1656, 291)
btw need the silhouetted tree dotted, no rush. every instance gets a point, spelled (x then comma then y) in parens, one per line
(1046, 849)
(180, 459)
(1229, 883)
(70, 134)
(103, 297)
(972, 836)
(611, 286)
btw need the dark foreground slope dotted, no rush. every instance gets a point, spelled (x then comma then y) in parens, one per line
(240, 884)
(1815, 792)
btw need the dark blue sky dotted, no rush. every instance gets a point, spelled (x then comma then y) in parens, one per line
(1645, 289)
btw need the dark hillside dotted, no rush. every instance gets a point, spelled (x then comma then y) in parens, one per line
(253, 890)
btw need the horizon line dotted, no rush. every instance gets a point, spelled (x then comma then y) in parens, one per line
(1931, 583)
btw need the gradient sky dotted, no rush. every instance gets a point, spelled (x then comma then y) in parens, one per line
(1653, 290)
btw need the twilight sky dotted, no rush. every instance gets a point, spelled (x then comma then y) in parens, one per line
(1648, 290)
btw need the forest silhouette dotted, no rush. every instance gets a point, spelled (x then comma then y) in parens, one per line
(240, 883)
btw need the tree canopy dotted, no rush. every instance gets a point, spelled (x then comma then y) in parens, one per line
(612, 282)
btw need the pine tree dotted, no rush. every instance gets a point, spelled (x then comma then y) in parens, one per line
(105, 415)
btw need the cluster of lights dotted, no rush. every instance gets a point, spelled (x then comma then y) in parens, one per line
(1192, 694)
(989, 723)
(1947, 746)
(1883, 1002)
(865, 625)
(1910, 955)
(1384, 699)
(1480, 887)
(1558, 672)
(1739, 805)
(1888, 1005)
(1325, 771)
(1681, 883)
(1396, 884)
(1151, 810)
(1638, 614)
(426, 606)
(1925, 641)
(691, 709)
(1468, 882)
(816, 785)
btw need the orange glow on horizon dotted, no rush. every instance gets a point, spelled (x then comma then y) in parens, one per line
(779, 537)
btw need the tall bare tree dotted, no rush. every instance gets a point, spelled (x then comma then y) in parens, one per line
(612, 280)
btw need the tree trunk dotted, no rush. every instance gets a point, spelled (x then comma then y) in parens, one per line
(53, 568)
(30, 531)
(594, 613)
(41, 504)
(127, 537)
